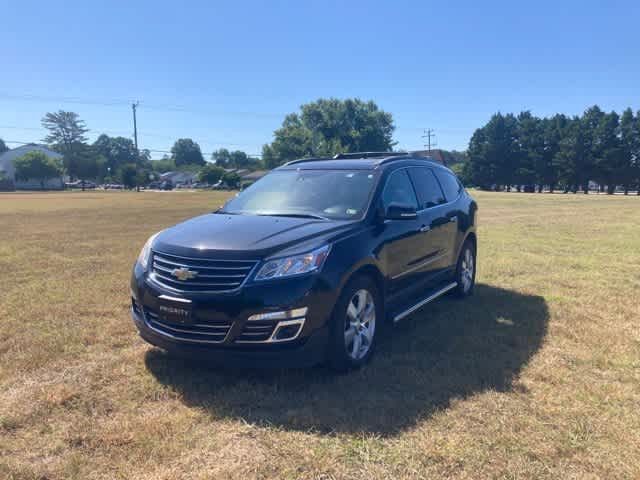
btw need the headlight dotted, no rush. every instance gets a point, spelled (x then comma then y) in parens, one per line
(143, 258)
(294, 265)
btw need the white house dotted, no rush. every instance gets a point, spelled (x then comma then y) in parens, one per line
(8, 170)
(186, 178)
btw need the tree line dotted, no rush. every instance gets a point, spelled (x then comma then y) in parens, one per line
(558, 152)
(510, 151)
(112, 159)
(320, 129)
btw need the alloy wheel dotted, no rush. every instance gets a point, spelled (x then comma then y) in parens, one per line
(467, 269)
(360, 324)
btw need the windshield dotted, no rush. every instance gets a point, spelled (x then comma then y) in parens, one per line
(334, 194)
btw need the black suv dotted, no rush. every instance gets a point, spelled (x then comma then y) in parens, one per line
(304, 265)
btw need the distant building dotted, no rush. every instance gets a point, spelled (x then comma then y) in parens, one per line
(249, 178)
(435, 155)
(7, 169)
(177, 178)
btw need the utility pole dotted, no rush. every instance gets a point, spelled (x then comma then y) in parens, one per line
(428, 134)
(135, 125)
(134, 105)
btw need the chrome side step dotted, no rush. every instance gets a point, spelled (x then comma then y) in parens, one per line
(421, 303)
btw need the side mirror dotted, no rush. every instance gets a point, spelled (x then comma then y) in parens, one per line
(401, 211)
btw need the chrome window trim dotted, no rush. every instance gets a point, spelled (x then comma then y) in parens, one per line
(386, 184)
(420, 265)
(416, 193)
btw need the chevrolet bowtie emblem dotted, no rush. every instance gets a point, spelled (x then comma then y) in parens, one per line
(184, 274)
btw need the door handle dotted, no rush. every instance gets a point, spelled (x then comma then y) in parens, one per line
(453, 219)
(425, 228)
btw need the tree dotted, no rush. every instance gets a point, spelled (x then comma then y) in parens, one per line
(117, 151)
(494, 153)
(553, 131)
(608, 154)
(571, 160)
(236, 159)
(3, 146)
(165, 164)
(186, 152)
(630, 145)
(591, 120)
(530, 150)
(211, 173)
(329, 126)
(66, 135)
(128, 175)
(231, 179)
(221, 157)
(37, 165)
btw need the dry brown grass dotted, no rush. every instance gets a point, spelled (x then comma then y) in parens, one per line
(536, 376)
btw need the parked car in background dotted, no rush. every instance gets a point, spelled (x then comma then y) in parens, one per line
(304, 265)
(86, 184)
(161, 185)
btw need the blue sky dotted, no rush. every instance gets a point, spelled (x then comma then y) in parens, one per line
(225, 73)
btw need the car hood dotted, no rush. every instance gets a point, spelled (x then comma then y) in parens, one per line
(234, 236)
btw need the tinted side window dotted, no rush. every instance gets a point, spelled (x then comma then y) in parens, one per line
(399, 190)
(429, 192)
(450, 185)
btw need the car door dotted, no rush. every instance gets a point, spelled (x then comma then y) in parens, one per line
(452, 235)
(402, 248)
(433, 221)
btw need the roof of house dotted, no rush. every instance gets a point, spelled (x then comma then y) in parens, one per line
(7, 158)
(255, 175)
(179, 177)
(435, 155)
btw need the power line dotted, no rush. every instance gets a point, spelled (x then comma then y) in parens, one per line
(143, 105)
(125, 134)
(204, 154)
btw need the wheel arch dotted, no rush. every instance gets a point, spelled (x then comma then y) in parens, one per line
(367, 269)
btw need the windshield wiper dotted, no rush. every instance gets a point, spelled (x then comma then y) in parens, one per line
(295, 215)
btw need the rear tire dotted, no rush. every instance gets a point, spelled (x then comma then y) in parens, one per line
(465, 275)
(354, 325)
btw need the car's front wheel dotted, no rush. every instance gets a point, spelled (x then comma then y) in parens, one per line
(353, 325)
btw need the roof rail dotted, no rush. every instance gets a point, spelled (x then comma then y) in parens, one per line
(355, 155)
(302, 160)
(403, 156)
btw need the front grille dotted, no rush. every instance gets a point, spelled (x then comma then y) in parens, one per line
(209, 275)
(257, 331)
(197, 332)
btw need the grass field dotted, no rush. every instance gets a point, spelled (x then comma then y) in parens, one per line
(536, 376)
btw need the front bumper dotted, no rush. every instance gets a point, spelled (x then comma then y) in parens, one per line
(307, 348)
(306, 354)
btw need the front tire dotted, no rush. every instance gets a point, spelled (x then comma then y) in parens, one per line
(466, 270)
(355, 322)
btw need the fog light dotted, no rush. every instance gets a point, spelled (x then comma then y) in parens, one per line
(286, 331)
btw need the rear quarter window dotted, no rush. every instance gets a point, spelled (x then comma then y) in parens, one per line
(450, 185)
